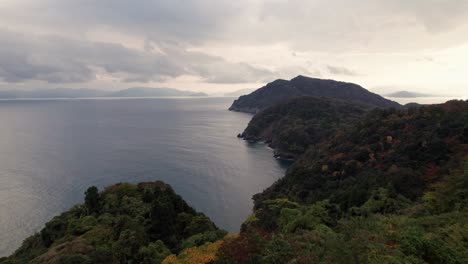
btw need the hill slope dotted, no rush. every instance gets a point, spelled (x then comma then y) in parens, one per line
(400, 145)
(125, 223)
(281, 90)
(292, 126)
(393, 188)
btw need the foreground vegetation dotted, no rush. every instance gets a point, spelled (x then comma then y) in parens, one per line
(385, 229)
(390, 187)
(125, 223)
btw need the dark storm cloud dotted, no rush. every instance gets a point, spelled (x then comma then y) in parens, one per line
(61, 60)
(34, 59)
(168, 20)
(313, 24)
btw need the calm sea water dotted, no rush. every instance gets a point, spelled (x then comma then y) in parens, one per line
(52, 150)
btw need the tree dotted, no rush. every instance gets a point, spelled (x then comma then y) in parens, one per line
(92, 199)
(153, 253)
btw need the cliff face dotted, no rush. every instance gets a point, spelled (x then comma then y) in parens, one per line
(281, 90)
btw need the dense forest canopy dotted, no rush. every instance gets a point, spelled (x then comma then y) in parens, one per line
(293, 126)
(392, 188)
(409, 148)
(125, 223)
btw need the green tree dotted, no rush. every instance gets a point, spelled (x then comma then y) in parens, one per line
(154, 253)
(92, 199)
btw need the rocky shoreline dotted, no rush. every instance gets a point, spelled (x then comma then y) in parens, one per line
(277, 154)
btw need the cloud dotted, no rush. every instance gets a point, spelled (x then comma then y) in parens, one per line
(18, 61)
(64, 41)
(337, 70)
(170, 20)
(233, 73)
(60, 60)
(320, 25)
(437, 16)
(366, 25)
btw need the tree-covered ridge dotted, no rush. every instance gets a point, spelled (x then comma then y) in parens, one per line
(291, 127)
(125, 223)
(393, 188)
(281, 90)
(403, 150)
(426, 231)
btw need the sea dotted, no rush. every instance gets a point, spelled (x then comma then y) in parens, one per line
(52, 150)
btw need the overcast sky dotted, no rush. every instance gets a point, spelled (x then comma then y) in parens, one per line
(220, 46)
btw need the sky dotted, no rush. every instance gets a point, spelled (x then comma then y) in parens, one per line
(220, 46)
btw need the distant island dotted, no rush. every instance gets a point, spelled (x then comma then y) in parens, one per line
(89, 93)
(281, 90)
(154, 92)
(407, 94)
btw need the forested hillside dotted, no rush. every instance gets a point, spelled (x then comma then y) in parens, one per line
(291, 127)
(393, 188)
(125, 223)
(281, 90)
(409, 148)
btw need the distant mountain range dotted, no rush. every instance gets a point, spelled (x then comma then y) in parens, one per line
(152, 92)
(407, 94)
(87, 93)
(281, 90)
